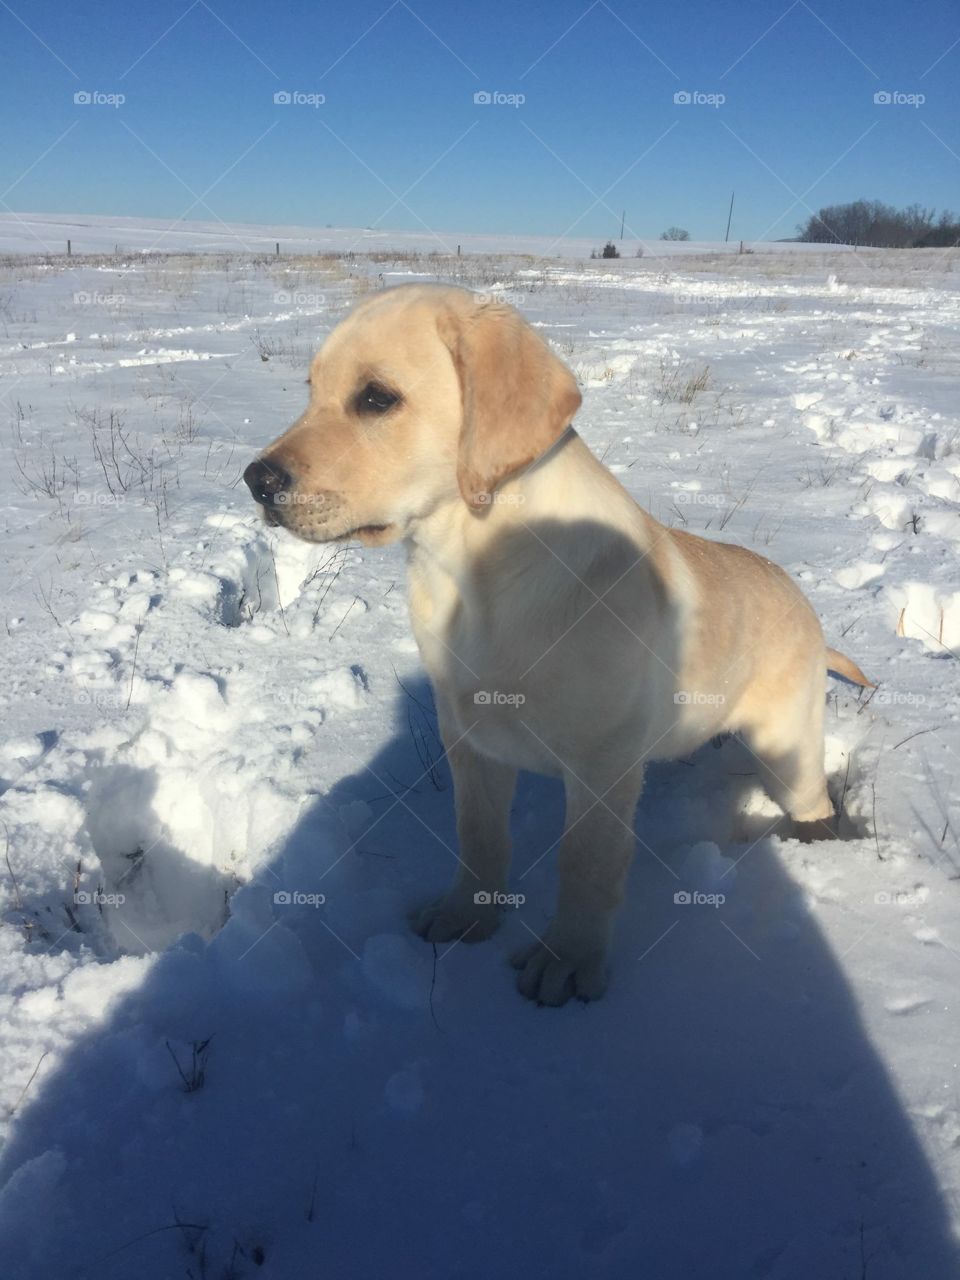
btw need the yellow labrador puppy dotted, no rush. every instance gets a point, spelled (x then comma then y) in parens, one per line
(564, 630)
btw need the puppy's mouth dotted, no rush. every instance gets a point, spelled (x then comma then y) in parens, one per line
(372, 535)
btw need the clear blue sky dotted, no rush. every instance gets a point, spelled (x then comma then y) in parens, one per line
(399, 80)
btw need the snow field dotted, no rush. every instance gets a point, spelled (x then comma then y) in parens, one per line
(224, 795)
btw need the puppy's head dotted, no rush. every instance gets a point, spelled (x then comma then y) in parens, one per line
(423, 395)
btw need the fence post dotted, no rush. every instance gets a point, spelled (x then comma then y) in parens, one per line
(68, 249)
(278, 248)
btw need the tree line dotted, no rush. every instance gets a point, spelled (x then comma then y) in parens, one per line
(878, 225)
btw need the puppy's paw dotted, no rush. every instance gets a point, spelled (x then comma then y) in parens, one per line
(454, 917)
(551, 975)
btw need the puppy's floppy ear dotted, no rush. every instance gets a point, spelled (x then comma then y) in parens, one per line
(518, 397)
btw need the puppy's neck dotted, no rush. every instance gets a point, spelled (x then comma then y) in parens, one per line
(567, 484)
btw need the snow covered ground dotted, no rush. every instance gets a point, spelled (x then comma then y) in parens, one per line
(223, 1051)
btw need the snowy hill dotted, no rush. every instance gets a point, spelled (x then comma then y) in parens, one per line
(48, 233)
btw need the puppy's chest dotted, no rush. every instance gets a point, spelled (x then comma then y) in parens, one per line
(479, 673)
(465, 648)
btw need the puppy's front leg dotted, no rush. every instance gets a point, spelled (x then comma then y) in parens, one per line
(595, 855)
(483, 790)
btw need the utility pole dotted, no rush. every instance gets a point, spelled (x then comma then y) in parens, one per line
(623, 218)
(729, 217)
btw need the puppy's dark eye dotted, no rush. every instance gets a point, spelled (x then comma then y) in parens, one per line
(375, 398)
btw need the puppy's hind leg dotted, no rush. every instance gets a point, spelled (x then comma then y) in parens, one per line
(787, 744)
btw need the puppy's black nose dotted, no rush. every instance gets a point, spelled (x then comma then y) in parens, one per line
(266, 480)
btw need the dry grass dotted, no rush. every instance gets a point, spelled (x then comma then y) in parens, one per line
(681, 383)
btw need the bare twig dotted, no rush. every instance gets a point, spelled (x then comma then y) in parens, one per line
(276, 579)
(919, 732)
(23, 1091)
(133, 670)
(13, 879)
(344, 618)
(198, 1064)
(873, 819)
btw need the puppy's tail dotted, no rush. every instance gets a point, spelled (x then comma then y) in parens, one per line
(841, 665)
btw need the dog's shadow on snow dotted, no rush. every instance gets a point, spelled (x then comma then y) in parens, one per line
(319, 1090)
